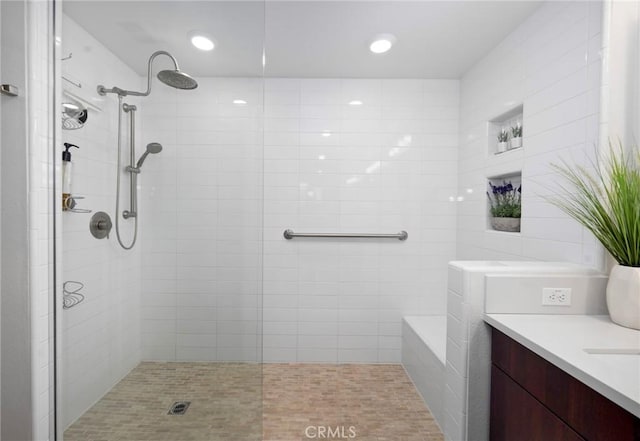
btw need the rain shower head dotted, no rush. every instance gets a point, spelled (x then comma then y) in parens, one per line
(153, 147)
(177, 79)
(174, 78)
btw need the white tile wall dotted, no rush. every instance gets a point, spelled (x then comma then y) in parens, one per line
(201, 222)
(423, 357)
(40, 79)
(101, 336)
(26, 134)
(551, 64)
(384, 166)
(620, 119)
(27, 397)
(325, 300)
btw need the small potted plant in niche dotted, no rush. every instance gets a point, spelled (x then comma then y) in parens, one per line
(606, 201)
(506, 208)
(516, 137)
(503, 140)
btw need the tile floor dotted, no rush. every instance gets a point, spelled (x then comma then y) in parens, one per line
(251, 402)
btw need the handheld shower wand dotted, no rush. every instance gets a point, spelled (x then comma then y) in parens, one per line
(153, 147)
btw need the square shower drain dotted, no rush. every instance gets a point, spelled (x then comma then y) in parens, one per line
(179, 408)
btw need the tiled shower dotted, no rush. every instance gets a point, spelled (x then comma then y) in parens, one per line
(203, 270)
(328, 166)
(213, 280)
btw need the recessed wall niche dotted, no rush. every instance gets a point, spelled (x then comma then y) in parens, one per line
(510, 122)
(508, 188)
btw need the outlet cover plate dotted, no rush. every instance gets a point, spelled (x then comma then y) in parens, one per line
(556, 297)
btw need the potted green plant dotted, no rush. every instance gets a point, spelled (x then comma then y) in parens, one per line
(506, 208)
(606, 201)
(503, 140)
(516, 137)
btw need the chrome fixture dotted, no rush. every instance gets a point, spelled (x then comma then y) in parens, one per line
(78, 84)
(74, 116)
(174, 78)
(100, 225)
(133, 169)
(153, 147)
(402, 235)
(71, 294)
(127, 108)
(9, 90)
(70, 204)
(133, 188)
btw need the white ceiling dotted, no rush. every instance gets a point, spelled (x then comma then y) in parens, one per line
(435, 39)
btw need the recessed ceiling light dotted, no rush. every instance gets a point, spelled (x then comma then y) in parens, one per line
(239, 102)
(382, 43)
(355, 103)
(326, 134)
(201, 41)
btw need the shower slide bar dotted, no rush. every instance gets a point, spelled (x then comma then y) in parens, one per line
(402, 235)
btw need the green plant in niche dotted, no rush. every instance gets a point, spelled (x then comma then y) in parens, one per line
(606, 201)
(505, 200)
(503, 135)
(516, 132)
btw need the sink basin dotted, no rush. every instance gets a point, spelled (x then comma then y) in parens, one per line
(613, 351)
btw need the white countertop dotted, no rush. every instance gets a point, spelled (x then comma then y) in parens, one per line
(561, 340)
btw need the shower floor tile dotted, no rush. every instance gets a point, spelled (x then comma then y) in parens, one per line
(272, 402)
(225, 405)
(377, 401)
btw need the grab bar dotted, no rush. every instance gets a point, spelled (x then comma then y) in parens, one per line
(402, 235)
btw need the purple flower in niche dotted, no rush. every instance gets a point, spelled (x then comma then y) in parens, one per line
(505, 199)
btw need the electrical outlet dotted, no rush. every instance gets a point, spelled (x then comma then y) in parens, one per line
(556, 297)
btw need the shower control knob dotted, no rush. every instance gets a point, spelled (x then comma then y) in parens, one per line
(100, 225)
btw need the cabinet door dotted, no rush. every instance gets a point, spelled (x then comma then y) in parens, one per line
(517, 416)
(588, 413)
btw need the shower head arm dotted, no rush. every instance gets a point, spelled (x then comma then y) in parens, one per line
(121, 92)
(149, 73)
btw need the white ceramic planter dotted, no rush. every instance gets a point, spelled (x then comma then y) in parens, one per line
(503, 146)
(510, 224)
(515, 143)
(623, 296)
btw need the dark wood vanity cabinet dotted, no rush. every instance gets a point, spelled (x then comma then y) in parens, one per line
(533, 400)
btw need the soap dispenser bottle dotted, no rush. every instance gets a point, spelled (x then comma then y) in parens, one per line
(66, 176)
